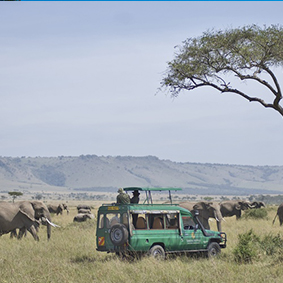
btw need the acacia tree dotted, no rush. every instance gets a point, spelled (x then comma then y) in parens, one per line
(15, 195)
(249, 53)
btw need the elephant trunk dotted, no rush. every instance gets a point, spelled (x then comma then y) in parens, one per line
(218, 216)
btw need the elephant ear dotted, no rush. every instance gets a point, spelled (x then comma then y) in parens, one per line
(26, 215)
(199, 205)
(238, 205)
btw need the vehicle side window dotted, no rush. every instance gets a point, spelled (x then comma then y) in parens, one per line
(156, 221)
(139, 221)
(188, 222)
(172, 221)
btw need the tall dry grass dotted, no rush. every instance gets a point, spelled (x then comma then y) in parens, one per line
(70, 256)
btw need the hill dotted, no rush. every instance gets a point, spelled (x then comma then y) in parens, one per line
(107, 173)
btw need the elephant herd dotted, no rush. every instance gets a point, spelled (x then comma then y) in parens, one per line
(25, 216)
(219, 210)
(84, 213)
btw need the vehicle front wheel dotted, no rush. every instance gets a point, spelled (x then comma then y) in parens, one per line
(213, 250)
(157, 252)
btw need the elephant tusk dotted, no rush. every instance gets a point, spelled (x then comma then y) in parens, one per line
(223, 219)
(216, 218)
(52, 224)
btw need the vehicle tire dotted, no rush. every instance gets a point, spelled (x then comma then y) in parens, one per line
(157, 252)
(119, 234)
(213, 250)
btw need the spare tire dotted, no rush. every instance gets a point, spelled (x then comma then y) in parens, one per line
(119, 234)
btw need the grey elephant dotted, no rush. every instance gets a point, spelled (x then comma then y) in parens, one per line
(206, 210)
(82, 217)
(279, 214)
(34, 210)
(84, 211)
(234, 207)
(58, 209)
(83, 206)
(13, 216)
(257, 204)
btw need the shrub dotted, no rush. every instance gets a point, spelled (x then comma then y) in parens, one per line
(272, 244)
(247, 247)
(258, 213)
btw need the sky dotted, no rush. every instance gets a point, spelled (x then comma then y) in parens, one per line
(80, 78)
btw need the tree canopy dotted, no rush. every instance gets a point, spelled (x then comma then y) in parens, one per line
(15, 194)
(249, 53)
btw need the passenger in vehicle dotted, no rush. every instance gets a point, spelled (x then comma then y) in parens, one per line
(122, 197)
(135, 198)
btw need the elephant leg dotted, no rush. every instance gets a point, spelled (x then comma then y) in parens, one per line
(238, 214)
(281, 220)
(32, 230)
(13, 234)
(204, 223)
(23, 231)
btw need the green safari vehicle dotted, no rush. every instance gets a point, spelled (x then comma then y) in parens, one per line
(154, 229)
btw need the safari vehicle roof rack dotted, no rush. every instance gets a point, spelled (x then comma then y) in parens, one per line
(149, 190)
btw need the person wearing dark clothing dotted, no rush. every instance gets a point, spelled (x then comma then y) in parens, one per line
(135, 198)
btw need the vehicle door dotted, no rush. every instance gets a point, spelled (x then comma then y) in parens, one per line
(106, 221)
(191, 236)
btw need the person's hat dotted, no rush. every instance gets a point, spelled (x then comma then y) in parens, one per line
(120, 190)
(136, 192)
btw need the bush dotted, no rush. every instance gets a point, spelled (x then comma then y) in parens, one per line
(258, 213)
(247, 247)
(272, 244)
(250, 246)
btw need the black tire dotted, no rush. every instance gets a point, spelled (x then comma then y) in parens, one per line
(213, 250)
(157, 252)
(119, 234)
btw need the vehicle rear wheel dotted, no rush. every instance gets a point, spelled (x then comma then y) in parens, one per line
(119, 234)
(157, 252)
(213, 250)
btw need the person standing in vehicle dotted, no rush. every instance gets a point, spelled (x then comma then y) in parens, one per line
(122, 197)
(135, 198)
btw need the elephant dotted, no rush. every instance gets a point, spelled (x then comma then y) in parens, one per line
(206, 210)
(84, 211)
(58, 209)
(84, 206)
(257, 204)
(82, 217)
(15, 216)
(35, 210)
(279, 214)
(234, 207)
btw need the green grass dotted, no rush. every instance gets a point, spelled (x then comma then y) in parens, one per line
(70, 256)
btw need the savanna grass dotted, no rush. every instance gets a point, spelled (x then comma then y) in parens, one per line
(71, 256)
